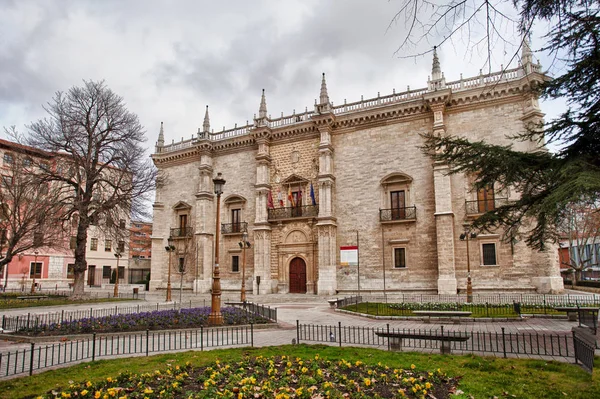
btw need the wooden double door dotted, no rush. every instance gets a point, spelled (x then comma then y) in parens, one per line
(297, 276)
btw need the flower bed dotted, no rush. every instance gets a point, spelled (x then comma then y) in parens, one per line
(155, 320)
(273, 377)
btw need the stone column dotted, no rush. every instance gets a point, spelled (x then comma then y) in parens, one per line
(326, 222)
(444, 215)
(262, 229)
(204, 227)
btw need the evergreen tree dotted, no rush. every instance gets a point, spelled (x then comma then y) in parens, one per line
(549, 183)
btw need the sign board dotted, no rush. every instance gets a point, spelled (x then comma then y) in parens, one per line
(349, 255)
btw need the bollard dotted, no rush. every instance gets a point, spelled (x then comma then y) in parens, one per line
(31, 359)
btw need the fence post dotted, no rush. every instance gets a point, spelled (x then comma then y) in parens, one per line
(28, 317)
(91, 312)
(388, 338)
(147, 341)
(340, 332)
(504, 342)
(94, 347)
(252, 335)
(31, 359)
(3, 322)
(298, 331)
(575, 348)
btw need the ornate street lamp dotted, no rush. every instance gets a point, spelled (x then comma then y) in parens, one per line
(118, 255)
(35, 253)
(244, 244)
(215, 318)
(465, 237)
(169, 248)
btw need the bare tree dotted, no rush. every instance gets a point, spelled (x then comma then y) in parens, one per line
(186, 256)
(31, 214)
(581, 227)
(103, 168)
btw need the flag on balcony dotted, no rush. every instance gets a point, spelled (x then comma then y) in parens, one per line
(312, 194)
(299, 202)
(270, 200)
(290, 196)
(280, 198)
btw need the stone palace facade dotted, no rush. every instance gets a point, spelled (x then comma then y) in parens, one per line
(306, 187)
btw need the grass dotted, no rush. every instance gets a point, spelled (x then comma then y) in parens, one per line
(10, 301)
(478, 310)
(480, 377)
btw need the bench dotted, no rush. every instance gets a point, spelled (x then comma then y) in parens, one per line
(588, 316)
(32, 297)
(395, 339)
(454, 315)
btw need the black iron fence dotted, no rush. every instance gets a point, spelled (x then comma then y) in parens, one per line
(40, 356)
(482, 206)
(585, 346)
(481, 342)
(406, 213)
(293, 212)
(180, 232)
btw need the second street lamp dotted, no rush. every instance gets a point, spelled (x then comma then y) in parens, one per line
(169, 248)
(118, 255)
(215, 318)
(465, 237)
(244, 244)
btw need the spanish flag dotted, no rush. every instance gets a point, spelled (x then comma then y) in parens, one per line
(270, 200)
(290, 196)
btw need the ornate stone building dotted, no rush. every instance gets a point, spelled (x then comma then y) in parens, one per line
(306, 185)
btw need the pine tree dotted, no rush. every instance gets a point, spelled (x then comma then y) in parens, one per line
(549, 183)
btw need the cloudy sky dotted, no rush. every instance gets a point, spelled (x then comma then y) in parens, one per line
(169, 59)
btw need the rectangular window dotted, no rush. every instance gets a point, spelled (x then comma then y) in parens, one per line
(73, 243)
(106, 272)
(399, 257)
(107, 245)
(94, 244)
(27, 162)
(121, 246)
(122, 223)
(235, 220)
(121, 273)
(182, 222)
(181, 265)
(35, 270)
(398, 205)
(235, 263)
(7, 181)
(488, 252)
(71, 270)
(485, 199)
(8, 158)
(38, 239)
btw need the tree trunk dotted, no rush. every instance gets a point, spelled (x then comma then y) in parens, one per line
(80, 261)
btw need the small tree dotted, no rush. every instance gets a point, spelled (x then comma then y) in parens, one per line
(31, 214)
(105, 173)
(581, 228)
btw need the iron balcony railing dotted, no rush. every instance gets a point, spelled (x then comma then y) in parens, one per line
(232, 228)
(182, 232)
(406, 213)
(304, 211)
(483, 206)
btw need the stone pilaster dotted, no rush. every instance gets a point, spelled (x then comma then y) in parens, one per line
(444, 215)
(204, 228)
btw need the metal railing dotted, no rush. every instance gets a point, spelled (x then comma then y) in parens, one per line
(406, 213)
(255, 309)
(482, 342)
(481, 206)
(584, 347)
(181, 232)
(232, 228)
(304, 211)
(40, 356)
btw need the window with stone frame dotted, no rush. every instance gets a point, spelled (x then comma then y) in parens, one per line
(395, 201)
(399, 257)
(235, 263)
(8, 158)
(236, 220)
(94, 244)
(35, 270)
(71, 270)
(489, 255)
(73, 243)
(107, 245)
(234, 206)
(106, 272)
(121, 246)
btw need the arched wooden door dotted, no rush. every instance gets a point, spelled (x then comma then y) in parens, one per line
(297, 276)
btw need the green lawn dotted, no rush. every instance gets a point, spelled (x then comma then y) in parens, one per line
(480, 377)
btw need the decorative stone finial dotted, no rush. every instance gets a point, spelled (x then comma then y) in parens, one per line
(436, 70)
(160, 143)
(262, 110)
(526, 54)
(206, 124)
(324, 97)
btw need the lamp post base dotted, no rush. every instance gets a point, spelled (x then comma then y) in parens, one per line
(469, 290)
(215, 319)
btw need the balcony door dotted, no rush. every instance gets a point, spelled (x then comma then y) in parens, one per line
(398, 205)
(297, 276)
(297, 208)
(235, 221)
(485, 199)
